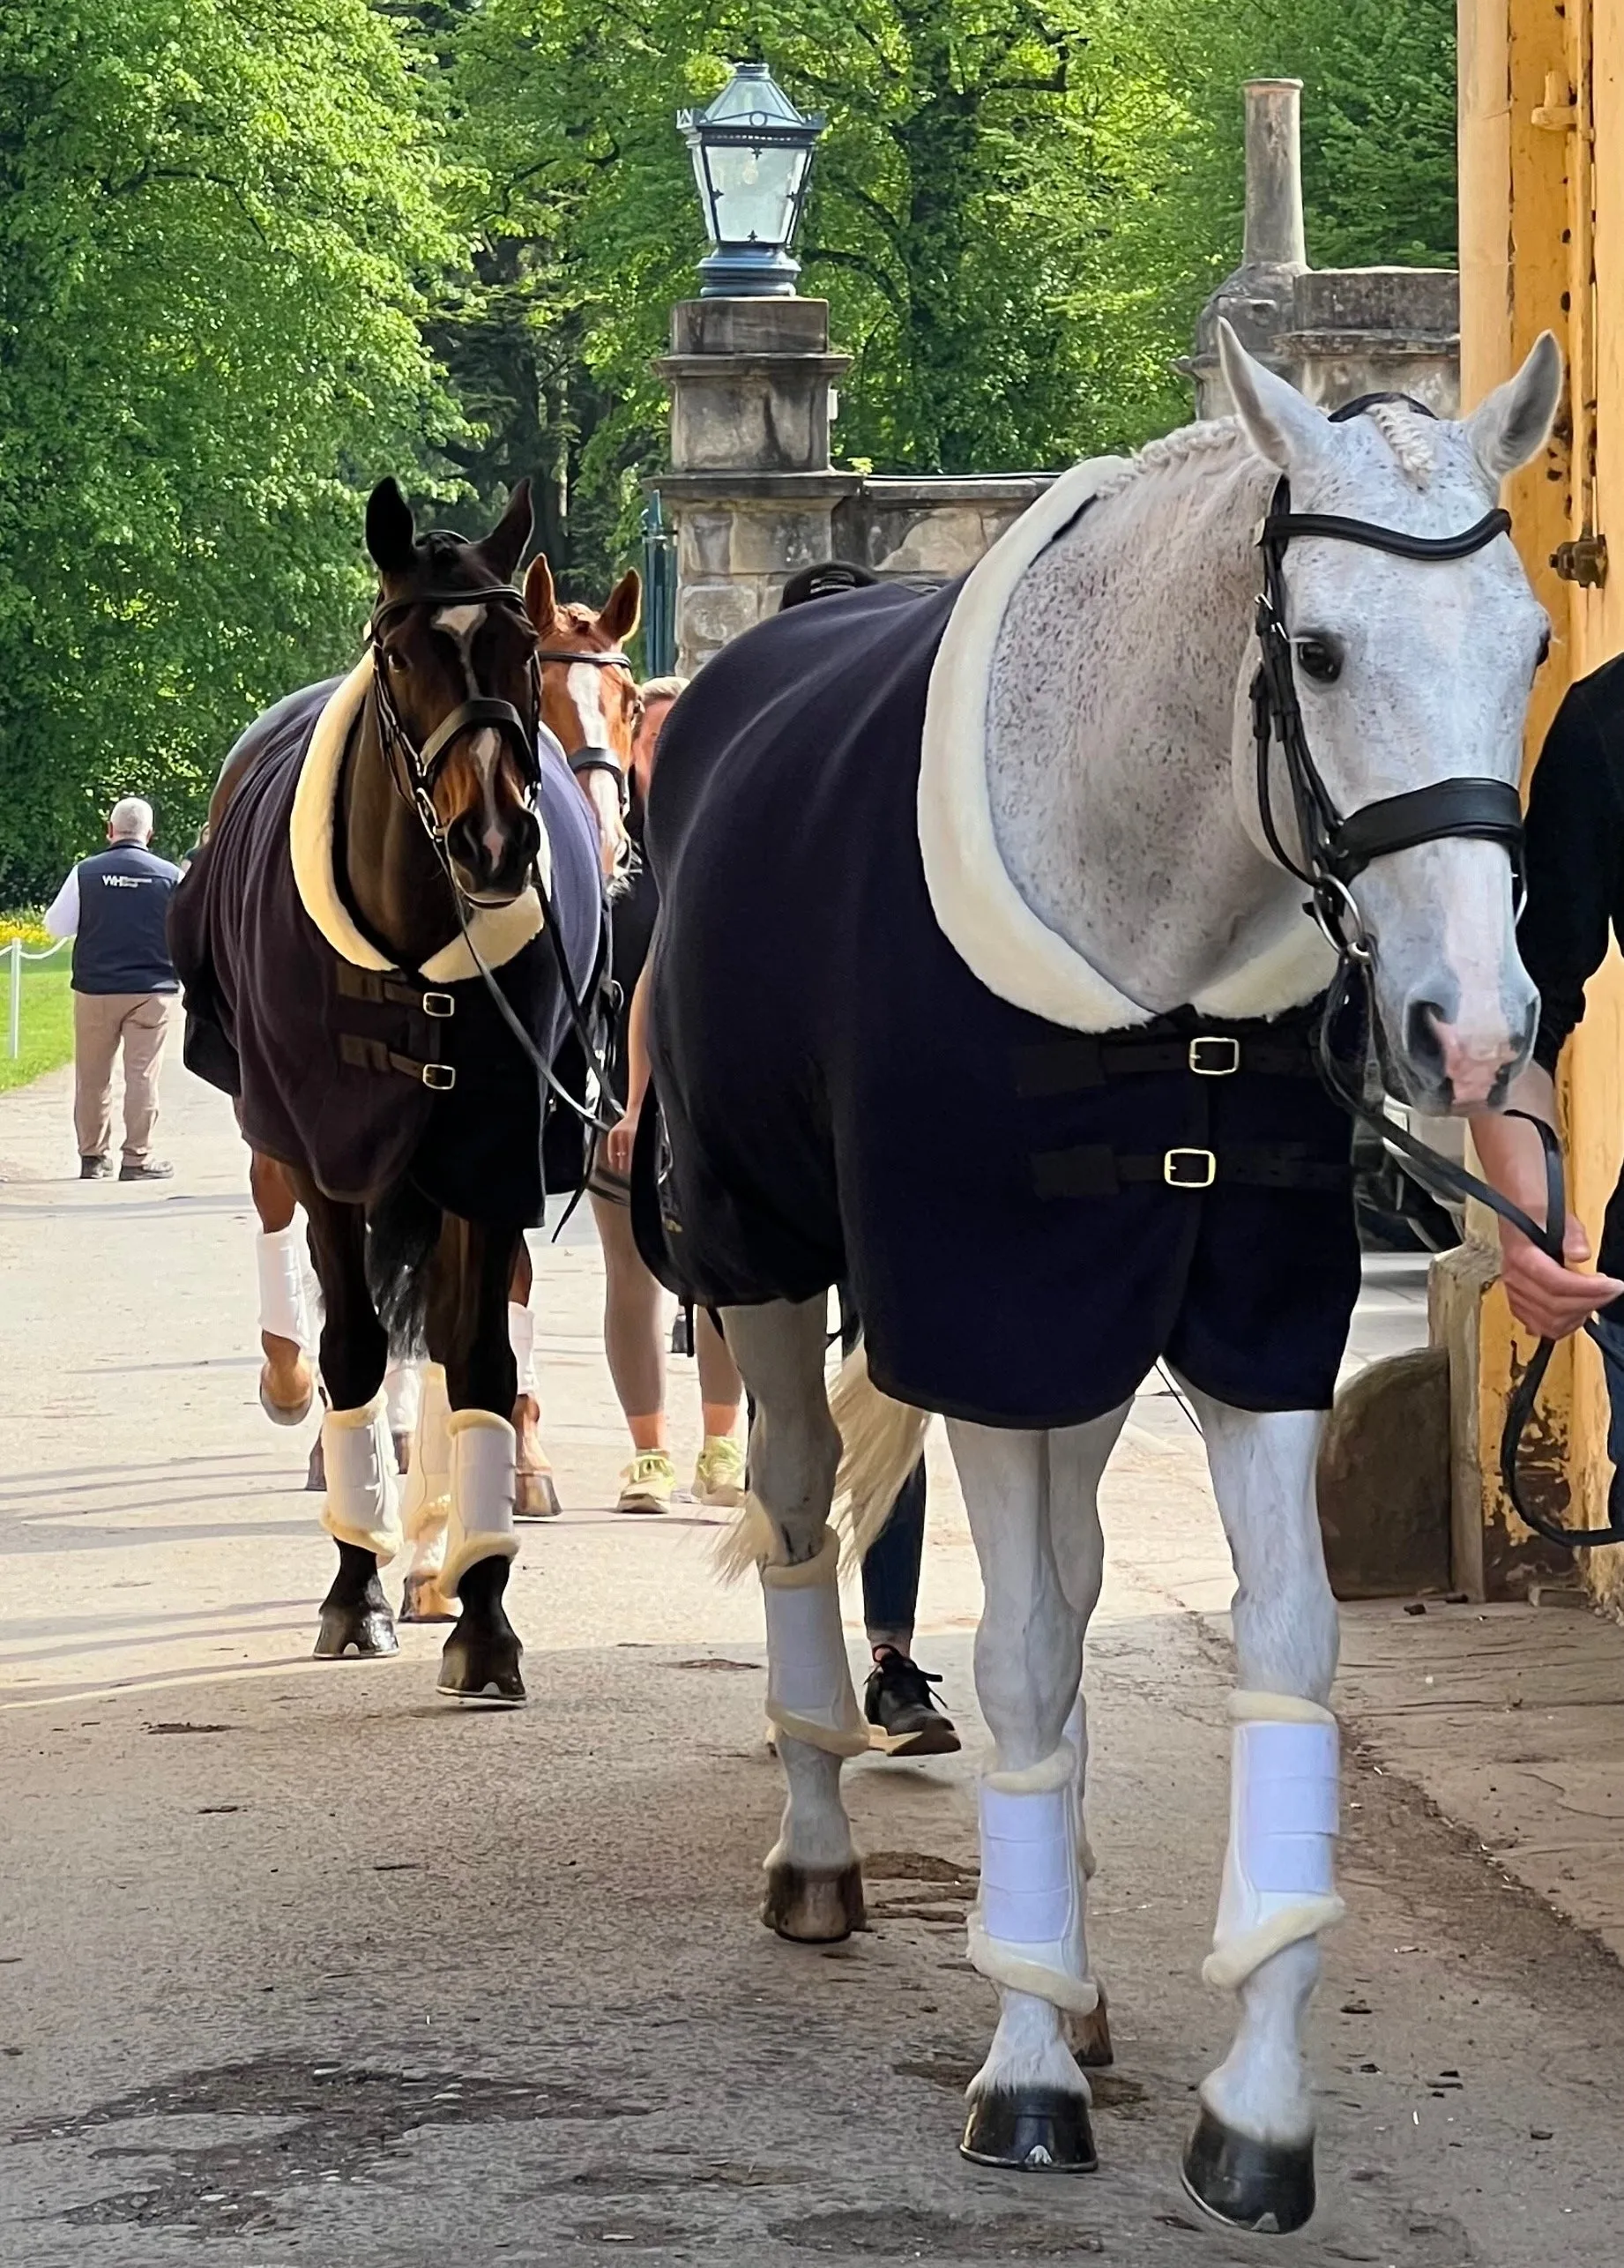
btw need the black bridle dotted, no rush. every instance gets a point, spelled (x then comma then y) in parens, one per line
(589, 757)
(1335, 850)
(414, 771)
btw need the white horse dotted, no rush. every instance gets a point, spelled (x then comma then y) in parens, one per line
(1091, 837)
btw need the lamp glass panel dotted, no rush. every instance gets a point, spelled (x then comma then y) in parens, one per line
(755, 193)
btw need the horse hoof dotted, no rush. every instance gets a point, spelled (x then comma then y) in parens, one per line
(286, 1412)
(535, 1497)
(481, 1667)
(1034, 2130)
(316, 1476)
(1091, 2038)
(813, 1905)
(360, 1627)
(402, 1443)
(422, 1600)
(1266, 2188)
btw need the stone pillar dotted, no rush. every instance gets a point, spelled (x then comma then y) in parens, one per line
(1257, 298)
(750, 490)
(1336, 332)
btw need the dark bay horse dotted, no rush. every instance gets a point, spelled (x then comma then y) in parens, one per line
(395, 918)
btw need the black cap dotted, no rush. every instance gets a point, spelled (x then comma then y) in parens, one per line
(826, 580)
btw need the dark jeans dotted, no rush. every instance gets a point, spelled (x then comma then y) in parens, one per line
(891, 1569)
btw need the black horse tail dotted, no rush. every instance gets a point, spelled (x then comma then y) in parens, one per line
(403, 1230)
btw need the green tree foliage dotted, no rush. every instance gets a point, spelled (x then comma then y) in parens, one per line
(217, 222)
(254, 253)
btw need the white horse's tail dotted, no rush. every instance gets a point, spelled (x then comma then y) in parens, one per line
(881, 1442)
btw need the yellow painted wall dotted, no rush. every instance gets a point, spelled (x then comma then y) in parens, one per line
(1542, 246)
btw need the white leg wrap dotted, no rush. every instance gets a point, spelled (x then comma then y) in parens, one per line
(521, 1340)
(426, 1492)
(1026, 1926)
(482, 1522)
(809, 1693)
(1279, 1871)
(283, 1314)
(360, 1479)
(402, 1394)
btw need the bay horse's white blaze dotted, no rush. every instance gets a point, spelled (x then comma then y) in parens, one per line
(1120, 769)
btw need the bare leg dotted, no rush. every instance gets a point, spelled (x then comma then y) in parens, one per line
(814, 1884)
(1031, 1497)
(631, 1333)
(358, 1512)
(1251, 2160)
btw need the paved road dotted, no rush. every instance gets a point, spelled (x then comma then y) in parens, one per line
(297, 1965)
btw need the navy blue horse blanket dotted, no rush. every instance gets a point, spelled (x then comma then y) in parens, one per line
(1028, 1214)
(363, 1074)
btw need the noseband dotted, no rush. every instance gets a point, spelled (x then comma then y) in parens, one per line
(588, 759)
(1335, 850)
(416, 768)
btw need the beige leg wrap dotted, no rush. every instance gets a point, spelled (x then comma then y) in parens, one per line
(283, 1311)
(360, 1509)
(482, 1448)
(521, 1340)
(426, 1492)
(810, 1695)
(402, 1396)
(1026, 1926)
(1279, 1872)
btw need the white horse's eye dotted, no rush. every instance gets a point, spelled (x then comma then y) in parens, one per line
(1319, 659)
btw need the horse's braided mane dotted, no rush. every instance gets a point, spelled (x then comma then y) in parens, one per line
(1409, 434)
(1171, 450)
(577, 617)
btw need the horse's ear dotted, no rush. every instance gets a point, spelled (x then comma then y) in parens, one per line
(1514, 421)
(504, 546)
(541, 598)
(390, 535)
(623, 608)
(1285, 429)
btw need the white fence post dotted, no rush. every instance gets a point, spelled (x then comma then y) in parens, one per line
(16, 1017)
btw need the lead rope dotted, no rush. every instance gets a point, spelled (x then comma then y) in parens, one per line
(1441, 1177)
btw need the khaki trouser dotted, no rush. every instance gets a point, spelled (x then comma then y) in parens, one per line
(100, 1020)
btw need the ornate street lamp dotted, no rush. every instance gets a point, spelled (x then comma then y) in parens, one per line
(752, 152)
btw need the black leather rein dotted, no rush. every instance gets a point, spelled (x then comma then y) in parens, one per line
(1335, 849)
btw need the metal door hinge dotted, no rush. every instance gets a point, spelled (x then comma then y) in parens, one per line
(1583, 561)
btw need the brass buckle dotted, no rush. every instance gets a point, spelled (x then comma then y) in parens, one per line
(1175, 1175)
(1201, 1063)
(443, 1077)
(439, 1004)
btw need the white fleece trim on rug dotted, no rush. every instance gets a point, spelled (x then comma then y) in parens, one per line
(976, 906)
(498, 933)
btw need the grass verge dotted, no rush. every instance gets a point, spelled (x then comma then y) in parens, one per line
(47, 1023)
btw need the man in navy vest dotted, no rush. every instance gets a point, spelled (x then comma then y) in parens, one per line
(114, 907)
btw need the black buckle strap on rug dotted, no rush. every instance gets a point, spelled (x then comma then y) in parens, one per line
(1081, 1061)
(364, 1054)
(375, 986)
(1094, 1169)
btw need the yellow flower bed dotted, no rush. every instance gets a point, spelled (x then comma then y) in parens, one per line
(26, 925)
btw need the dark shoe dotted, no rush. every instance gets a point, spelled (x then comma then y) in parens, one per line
(146, 1169)
(95, 1169)
(903, 1720)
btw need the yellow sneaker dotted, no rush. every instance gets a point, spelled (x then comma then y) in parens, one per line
(648, 1483)
(718, 1476)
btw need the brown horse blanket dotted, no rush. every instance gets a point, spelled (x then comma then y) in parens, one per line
(358, 1072)
(1029, 1214)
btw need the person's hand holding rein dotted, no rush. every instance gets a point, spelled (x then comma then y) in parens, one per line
(1547, 1296)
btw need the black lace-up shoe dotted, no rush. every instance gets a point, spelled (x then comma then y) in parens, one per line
(902, 1717)
(95, 1169)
